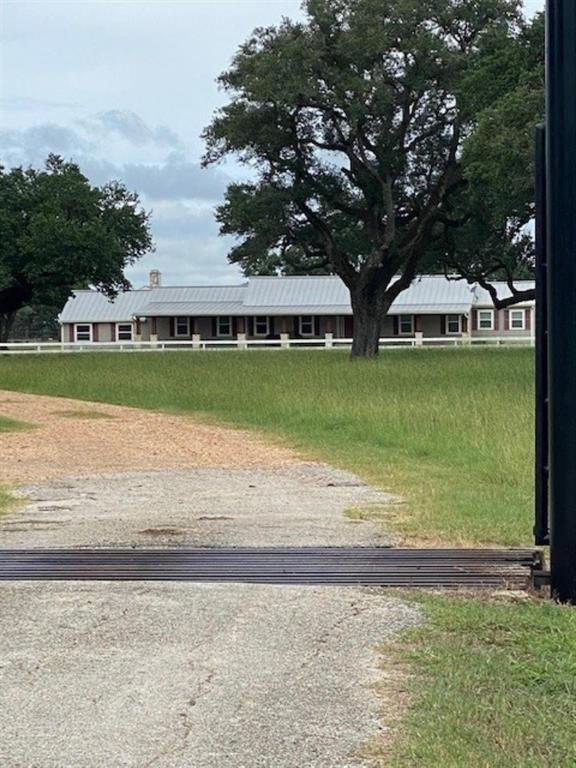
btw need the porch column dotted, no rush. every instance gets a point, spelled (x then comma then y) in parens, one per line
(467, 329)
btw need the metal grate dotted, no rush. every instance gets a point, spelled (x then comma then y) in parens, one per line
(362, 566)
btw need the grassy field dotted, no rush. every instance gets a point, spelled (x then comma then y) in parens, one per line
(494, 685)
(448, 430)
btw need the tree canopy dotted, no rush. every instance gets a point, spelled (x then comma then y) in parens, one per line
(355, 123)
(498, 159)
(57, 233)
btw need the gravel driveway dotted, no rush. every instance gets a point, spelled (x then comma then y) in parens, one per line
(172, 675)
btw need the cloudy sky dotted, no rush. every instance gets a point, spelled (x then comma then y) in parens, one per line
(125, 87)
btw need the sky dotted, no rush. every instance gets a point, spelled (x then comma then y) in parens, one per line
(125, 88)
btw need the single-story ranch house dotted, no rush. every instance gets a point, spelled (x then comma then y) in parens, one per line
(295, 307)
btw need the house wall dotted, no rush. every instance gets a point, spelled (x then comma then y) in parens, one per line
(105, 331)
(431, 326)
(502, 324)
(102, 332)
(145, 330)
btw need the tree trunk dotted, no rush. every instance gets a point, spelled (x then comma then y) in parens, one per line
(6, 323)
(369, 306)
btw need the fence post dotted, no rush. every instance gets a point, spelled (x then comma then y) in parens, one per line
(241, 341)
(285, 340)
(329, 340)
(418, 336)
(196, 341)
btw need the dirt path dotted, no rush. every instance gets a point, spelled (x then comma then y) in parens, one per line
(173, 675)
(72, 437)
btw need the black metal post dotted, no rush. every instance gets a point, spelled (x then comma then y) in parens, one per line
(541, 527)
(561, 255)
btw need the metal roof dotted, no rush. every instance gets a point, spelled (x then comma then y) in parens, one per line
(431, 291)
(94, 307)
(314, 295)
(483, 298)
(295, 292)
(325, 295)
(188, 308)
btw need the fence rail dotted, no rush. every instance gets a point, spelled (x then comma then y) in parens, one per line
(328, 342)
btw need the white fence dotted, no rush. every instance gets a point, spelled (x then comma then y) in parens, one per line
(328, 342)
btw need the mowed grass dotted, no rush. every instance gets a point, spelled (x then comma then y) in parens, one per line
(450, 431)
(496, 686)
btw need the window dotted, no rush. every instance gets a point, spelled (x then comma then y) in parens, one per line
(517, 319)
(182, 326)
(306, 325)
(83, 332)
(406, 325)
(224, 326)
(124, 331)
(453, 324)
(261, 326)
(486, 319)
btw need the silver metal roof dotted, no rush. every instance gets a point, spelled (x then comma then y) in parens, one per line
(433, 291)
(189, 308)
(327, 295)
(482, 297)
(94, 307)
(295, 292)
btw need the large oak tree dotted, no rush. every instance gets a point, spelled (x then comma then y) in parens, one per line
(57, 233)
(353, 122)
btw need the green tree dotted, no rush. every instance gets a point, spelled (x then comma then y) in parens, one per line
(36, 323)
(57, 233)
(354, 123)
(497, 201)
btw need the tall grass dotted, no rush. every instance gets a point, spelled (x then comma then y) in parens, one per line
(448, 430)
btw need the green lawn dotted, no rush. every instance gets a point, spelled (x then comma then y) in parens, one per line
(496, 689)
(449, 430)
(493, 685)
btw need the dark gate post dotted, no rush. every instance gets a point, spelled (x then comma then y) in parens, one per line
(542, 453)
(561, 255)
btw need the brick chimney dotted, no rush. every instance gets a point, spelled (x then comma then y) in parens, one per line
(155, 278)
